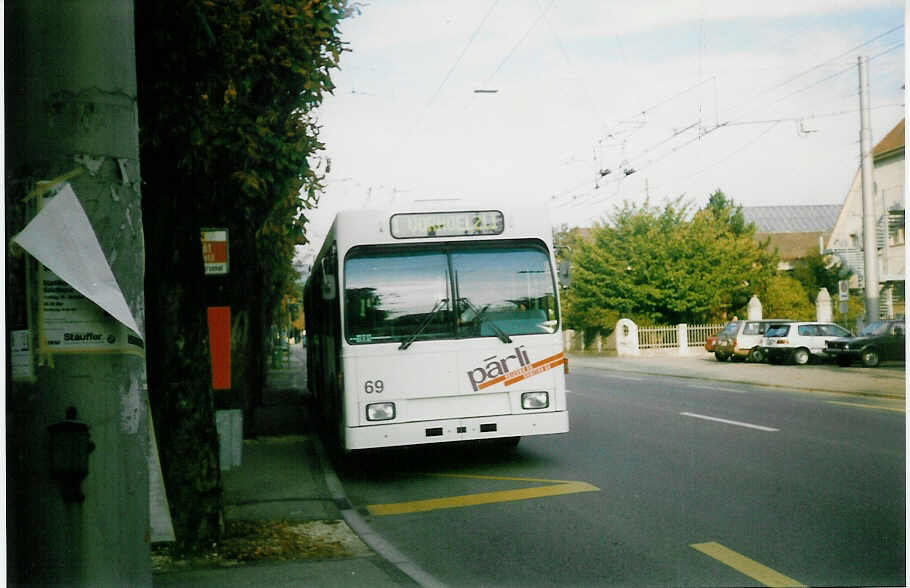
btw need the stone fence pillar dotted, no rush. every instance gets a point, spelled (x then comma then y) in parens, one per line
(754, 309)
(626, 338)
(682, 338)
(824, 312)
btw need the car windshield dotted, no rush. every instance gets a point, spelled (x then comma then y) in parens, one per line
(754, 328)
(876, 328)
(729, 329)
(777, 331)
(830, 330)
(448, 292)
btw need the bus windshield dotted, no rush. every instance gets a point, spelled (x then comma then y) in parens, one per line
(448, 292)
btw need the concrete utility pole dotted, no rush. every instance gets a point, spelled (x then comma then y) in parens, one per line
(870, 243)
(72, 118)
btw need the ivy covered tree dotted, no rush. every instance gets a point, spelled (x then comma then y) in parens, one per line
(226, 91)
(665, 265)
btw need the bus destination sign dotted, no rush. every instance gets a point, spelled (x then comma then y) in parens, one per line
(447, 224)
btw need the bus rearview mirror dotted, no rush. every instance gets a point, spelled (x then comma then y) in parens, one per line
(327, 282)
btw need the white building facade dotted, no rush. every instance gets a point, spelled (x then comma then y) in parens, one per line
(846, 240)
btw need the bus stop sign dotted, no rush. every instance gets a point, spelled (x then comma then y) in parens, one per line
(215, 251)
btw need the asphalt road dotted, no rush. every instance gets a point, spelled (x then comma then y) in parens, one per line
(661, 481)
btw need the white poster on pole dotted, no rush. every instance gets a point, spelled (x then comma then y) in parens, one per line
(61, 237)
(71, 323)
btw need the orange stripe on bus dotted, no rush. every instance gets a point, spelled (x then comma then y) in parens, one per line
(525, 372)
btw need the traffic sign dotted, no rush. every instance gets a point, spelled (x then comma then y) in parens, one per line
(215, 251)
(843, 290)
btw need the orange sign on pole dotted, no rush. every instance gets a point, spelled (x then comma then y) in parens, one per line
(220, 346)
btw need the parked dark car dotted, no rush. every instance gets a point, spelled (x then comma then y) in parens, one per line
(881, 340)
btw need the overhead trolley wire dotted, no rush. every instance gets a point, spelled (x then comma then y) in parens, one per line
(519, 43)
(463, 51)
(735, 122)
(822, 64)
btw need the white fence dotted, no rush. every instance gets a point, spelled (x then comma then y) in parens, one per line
(667, 336)
(652, 339)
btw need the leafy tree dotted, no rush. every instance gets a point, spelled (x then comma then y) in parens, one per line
(665, 265)
(226, 88)
(816, 271)
(727, 212)
(785, 297)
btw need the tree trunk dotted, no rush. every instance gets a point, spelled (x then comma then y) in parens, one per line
(179, 366)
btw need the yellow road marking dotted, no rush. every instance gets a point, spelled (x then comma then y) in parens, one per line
(744, 565)
(873, 406)
(560, 487)
(506, 478)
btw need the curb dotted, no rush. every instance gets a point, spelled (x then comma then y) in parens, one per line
(745, 382)
(385, 550)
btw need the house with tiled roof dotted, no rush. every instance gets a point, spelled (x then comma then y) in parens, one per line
(792, 230)
(846, 240)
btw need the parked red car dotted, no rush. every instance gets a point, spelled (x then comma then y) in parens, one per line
(709, 343)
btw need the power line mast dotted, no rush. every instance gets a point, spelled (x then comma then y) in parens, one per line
(870, 244)
(77, 443)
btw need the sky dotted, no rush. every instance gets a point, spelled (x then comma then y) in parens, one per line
(586, 104)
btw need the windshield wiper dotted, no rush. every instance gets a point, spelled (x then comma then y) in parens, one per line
(436, 308)
(480, 314)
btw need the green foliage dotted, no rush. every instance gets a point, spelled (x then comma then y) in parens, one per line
(816, 271)
(233, 89)
(666, 265)
(727, 212)
(226, 91)
(785, 298)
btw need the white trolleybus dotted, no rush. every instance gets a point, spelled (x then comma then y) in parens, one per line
(428, 326)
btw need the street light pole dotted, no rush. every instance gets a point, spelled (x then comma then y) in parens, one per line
(870, 245)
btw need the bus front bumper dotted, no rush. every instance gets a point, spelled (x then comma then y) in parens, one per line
(446, 430)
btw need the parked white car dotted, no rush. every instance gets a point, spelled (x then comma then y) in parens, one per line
(799, 342)
(743, 340)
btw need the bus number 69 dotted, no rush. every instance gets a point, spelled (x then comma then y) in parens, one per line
(371, 386)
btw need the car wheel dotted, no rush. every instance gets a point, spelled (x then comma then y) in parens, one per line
(756, 355)
(801, 356)
(720, 356)
(870, 358)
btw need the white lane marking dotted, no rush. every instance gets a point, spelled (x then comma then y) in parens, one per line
(719, 389)
(633, 378)
(737, 423)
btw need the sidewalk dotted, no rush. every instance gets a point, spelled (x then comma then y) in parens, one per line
(888, 380)
(285, 525)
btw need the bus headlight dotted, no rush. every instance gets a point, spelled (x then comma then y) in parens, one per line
(535, 400)
(381, 411)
